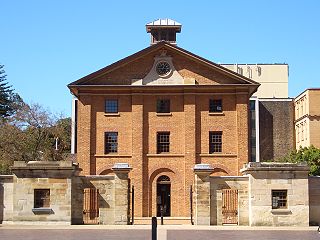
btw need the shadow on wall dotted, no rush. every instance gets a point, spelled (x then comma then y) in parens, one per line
(266, 133)
(77, 199)
(1, 202)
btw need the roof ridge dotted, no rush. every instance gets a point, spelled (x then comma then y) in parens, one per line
(151, 48)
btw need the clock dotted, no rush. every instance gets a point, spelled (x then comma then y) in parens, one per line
(163, 68)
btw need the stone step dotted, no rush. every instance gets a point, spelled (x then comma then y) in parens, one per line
(166, 220)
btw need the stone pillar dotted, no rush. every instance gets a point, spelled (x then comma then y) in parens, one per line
(121, 182)
(202, 194)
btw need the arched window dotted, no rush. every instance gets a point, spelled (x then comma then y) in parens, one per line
(163, 179)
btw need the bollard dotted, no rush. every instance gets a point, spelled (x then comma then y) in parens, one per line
(154, 228)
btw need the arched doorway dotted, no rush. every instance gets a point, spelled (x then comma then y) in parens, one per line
(163, 195)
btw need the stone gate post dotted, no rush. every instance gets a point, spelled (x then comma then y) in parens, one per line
(202, 193)
(121, 171)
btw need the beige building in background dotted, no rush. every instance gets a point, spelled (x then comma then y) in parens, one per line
(307, 118)
(272, 77)
(271, 110)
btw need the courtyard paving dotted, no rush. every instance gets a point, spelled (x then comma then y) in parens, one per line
(243, 235)
(166, 232)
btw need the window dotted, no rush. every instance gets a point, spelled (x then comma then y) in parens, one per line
(215, 142)
(111, 106)
(215, 105)
(163, 142)
(155, 35)
(163, 35)
(279, 199)
(163, 106)
(41, 198)
(111, 142)
(172, 36)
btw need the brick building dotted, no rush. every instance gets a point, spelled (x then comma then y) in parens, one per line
(162, 110)
(165, 121)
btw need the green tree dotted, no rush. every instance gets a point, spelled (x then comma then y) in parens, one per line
(309, 155)
(9, 101)
(60, 137)
(31, 134)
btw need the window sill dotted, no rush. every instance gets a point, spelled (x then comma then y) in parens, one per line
(112, 114)
(281, 211)
(164, 114)
(112, 155)
(217, 155)
(38, 211)
(216, 113)
(164, 155)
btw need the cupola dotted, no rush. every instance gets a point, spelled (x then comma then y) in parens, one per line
(163, 30)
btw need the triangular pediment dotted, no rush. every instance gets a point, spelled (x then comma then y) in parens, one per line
(144, 68)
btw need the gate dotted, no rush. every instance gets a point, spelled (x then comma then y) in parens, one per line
(91, 206)
(229, 206)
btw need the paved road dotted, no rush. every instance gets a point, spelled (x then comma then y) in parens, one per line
(242, 235)
(145, 234)
(73, 234)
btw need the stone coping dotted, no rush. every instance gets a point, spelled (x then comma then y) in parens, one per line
(43, 165)
(102, 177)
(274, 166)
(121, 167)
(6, 176)
(231, 177)
(203, 169)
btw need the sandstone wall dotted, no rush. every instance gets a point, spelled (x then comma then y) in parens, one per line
(265, 177)
(6, 198)
(314, 200)
(31, 176)
(23, 200)
(65, 205)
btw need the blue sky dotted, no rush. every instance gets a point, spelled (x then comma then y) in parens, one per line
(45, 45)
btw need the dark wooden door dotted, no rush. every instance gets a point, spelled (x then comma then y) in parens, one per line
(91, 206)
(163, 199)
(229, 206)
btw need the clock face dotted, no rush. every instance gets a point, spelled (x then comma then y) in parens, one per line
(163, 68)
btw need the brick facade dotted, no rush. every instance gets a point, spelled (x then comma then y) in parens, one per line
(138, 122)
